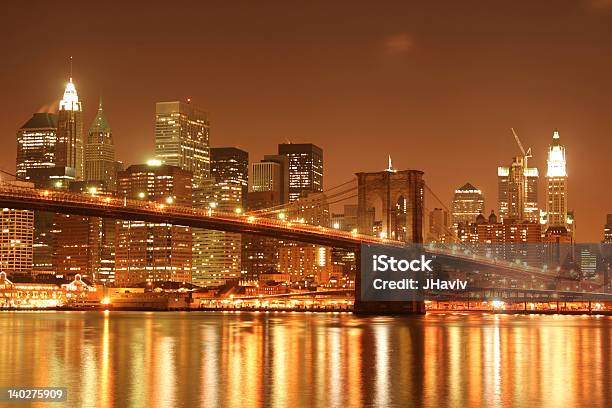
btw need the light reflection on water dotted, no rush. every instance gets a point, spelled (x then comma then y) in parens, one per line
(266, 359)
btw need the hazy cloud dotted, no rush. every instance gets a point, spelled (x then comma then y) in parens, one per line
(400, 43)
(50, 107)
(599, 4)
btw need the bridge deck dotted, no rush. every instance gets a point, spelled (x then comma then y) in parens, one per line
(136, 210)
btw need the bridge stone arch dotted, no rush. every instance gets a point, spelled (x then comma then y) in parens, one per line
(402, 196)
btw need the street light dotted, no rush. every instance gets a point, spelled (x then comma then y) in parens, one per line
(141, 195)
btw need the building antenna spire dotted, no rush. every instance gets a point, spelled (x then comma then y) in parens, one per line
(390, 168)
(71, 68)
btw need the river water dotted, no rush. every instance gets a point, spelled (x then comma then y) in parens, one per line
(190, 359)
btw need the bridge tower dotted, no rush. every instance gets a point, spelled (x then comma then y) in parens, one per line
(391, 205)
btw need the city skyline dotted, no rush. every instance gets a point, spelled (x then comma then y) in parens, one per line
(575, 105)
(541, 202)
(323, 203)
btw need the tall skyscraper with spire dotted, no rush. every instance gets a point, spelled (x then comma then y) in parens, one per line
(100, 162)
(70, 146)
(556, 179)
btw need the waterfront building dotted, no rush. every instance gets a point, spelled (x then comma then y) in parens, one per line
(148, 251)
(305, 163)
(36, 143)
(43, 291)
(468, 203)
(308, 265)
(182, 138)
(70, 141)
(100, 163)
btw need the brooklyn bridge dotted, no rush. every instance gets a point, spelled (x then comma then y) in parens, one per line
(398, 196)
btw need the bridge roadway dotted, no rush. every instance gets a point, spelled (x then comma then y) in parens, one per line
(139, 210)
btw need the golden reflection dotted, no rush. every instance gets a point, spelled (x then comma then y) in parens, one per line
(218, 359)
(105, 385)
(352, 356)
(280, 362)
(334, 367)
(165, 367)
(209, 361)
(382, 381)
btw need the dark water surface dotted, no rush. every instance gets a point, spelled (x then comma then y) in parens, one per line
(213, 359)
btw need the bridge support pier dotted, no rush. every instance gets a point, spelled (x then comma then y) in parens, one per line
(381, 308)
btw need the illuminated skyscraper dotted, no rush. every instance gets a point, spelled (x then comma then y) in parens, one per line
(100, 164)
(37, 162)
(147, 251)
(268, 187)
(518, 191)
(231, 165)
(16, 238)
(467, 204)
(70, 146)
(271, 176)
(308, 264)
(305, 168)
(265, 176)
(217, 254)
(85, 245)
(36, 143)
(182, 139)
(556, 179)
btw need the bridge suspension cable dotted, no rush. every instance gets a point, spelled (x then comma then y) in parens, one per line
(313, 199)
